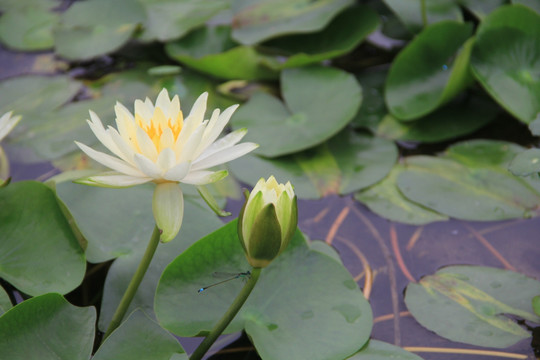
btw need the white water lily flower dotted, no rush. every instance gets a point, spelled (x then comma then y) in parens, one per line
(158, 145)
(7, 123)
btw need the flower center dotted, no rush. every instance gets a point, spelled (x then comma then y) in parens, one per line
(158, 125)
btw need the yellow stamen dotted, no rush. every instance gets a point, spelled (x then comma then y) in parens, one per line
(154, 128)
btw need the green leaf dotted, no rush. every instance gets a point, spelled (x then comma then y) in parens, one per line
(471, 304)
(410, 12)
(139, 338)
(172, 19)
(373, 108)
(47, 327)
(258, 20)
(346, 163)
(96, 27)
(533, 4)
(318, 103)
(28, 28)
(535, 126)
(430, 70)
(385, 199)
(506, 60)
(470, 193)
(481, 8)
(378, 350)
(526, 163)
(456, 119)
(38, 251)
(346, 31)
(211, 51)
(536, 304)
(301, 292)
(5, 302)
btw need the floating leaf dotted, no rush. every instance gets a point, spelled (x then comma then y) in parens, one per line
(28, 28)
(47, 327)
(385, 199)
(373, 108)
(431, 70)
(210, 50)
(346, 163)
(38, 251)
(458, 118)
(506, 59)
(343, 34)
(526, 163)
(5, 302)
(258, 20)
(172, 19)
(410, 12)
(533, 4)
(139, 338)
(96, 27)
(536, 304)
(318, 103)
(378, 350)
(471, 304)
(470, 193)
(302, 291)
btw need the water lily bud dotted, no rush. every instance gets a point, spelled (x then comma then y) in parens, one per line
(267, 221)
(168, 208)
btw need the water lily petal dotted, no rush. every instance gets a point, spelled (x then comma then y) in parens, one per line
(146, 146)
(126, 149)
(178, 172)
(186, 152)
(167, 139)
(143, 110)
(109, 161)
(224, 156)
(7, 123)
(114, 180)
(168, 208)
(163, 102)
(166, 159)
(148, 167)
(204, 177)
(225, 142)
(213, 130)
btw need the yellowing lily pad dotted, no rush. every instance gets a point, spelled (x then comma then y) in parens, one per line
(318, 103)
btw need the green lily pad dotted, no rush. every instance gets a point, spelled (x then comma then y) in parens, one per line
(5, 302)
(28, 28)
(346, 31)
(533, 4)
(471, 304)
(462, 192)
(458, 118)
(38, 251)
(535, 126)
(481, 8)
(258, 20)
(430, 71)
(373, 107)
(47, 327)
(346, 163)
(385, 199)
(526, 163)
(139, 338)
(300, 292)
(318, 103)
(378, 350)
(210, 50)
(506, 59)
(96, 27)
(172, 19)
(410, 12)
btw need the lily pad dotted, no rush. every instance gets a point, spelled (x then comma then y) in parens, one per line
(469, 193)
(378, 350)
(96, 27)
(506, 59)
(301, 291)
(28, 28)
(38, 251)
(346, 163)
(430, 71)
(172, 19)
(346, 31)
(318, 103)
(385, 199)
(536, 304)
(410, 12)
(5, 302)
(140, 338)
(472, 304)
(373, 107)
(533, 4)
(458, 118)
(526, 163)
(258, 20)
(210, 50)
(481, 8)
(47, 327)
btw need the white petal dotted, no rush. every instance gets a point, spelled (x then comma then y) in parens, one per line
(175, 107)
(163, 102)
(214, 130)
(143, 110)
(167, 139)
(225, 142)
(166, 159)
(187, 152)
(195, 118)
(110, 161)
(204, 177)
(178, 172)
(146, 145)
(224, 156)
(103, 136)
(168, 209)
(113, 180)
(7, 123)
(148, 167)
(125, 148)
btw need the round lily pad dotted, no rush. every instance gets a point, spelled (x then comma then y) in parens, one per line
(410, 12)
(28, 28)
(303, 291)
(526, 163)
(318, 103)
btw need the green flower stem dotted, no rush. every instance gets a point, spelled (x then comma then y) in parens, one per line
(134, 284)
(229, 315)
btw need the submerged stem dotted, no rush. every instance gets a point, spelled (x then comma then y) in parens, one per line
(228, 316)
(133, 284)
